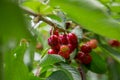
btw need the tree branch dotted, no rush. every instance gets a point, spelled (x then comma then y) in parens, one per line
(28, 11)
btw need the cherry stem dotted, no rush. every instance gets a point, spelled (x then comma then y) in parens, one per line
(82, 73)
(42, 18)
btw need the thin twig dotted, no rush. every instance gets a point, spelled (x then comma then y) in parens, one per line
(82, 73)
(28, 11)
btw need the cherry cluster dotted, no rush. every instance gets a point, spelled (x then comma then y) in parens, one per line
(62, 44)
(114, 43)
(65, 44)
(84, 54)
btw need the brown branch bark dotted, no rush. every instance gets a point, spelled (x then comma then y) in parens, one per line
(82, 73)
(28, 11)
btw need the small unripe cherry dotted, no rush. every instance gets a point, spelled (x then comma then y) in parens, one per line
(93, 43)
(39, 46)
(63, 39)
(86, 48)
(52, 51)
(53, 40)
(114, 43)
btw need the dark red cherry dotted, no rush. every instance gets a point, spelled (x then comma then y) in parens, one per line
(114, 43)
(86, 48)
(63, 39)
(53, 40)
(52, 51)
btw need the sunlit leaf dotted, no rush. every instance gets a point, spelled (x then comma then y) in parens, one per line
(50, 60)
(59, 75)
(73, 72)
(98, 65)
(92, 15)
(15, 68)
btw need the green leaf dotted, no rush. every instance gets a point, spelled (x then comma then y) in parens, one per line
(98, 65)
(105, 1)
(34, 5)
(38, 7)
(91, 15)
(55, 17)
(113, 70)
(71, 71)
(111, 52)
(44, 69)
(51, 59)
(115, 7)
(13, 27)
(66, 72)
(33, 77)
(15, 68)
(78, 31)
(1, 64)
(59, 75)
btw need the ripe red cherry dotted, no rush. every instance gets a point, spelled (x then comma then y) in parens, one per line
(114, 43)
(86, 48)
(52, 51)
(64, 51)
(72, 47)
(85, 58)
(54, 32)
(72, 39)
(63, 39)
(66, 55)
(64, 48)
(56, 48)
(80, 56)
(53, 40)
(93, 43)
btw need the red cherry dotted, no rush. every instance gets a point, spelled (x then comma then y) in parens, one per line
(85, 58)
(54, 32)
(53, 40)
(72, 47)
(86, 48)
(56, 48)
(52, 51)
(72, 39)
(63, 39)
(80, 56)
(93, 43)
(114, 43)
(64, 51)
(64, 54)
(64, 48)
